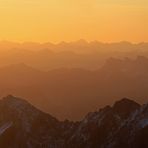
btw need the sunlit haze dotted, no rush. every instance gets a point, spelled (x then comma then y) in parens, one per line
(73, 73)
(69, 20)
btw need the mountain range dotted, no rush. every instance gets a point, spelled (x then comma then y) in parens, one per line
(78, 54)
(76, 89)
(122, 125)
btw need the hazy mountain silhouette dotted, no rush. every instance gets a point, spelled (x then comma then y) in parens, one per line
(125, 124)
(78, 54)
(70, 93)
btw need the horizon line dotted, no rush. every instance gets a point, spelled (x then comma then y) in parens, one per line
(73, 41)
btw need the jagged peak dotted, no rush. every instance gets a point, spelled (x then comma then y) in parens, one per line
(10, 99)
(122, 108)
(22, 108)
(18, 105)
(125, 101)
(125, 106)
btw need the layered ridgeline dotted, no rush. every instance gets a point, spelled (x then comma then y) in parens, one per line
(79, 90)
(125, 124)
(78, 54)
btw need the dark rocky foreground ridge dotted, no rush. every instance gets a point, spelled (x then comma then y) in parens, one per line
(124, 125)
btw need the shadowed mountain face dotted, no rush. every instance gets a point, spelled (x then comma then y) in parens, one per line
(125, 124)
(71, 93)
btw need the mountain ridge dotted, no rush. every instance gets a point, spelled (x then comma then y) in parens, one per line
(77, 87)
(105, 128)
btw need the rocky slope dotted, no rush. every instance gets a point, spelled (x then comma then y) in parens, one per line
(123, 125)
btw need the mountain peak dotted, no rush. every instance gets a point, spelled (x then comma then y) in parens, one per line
(21, 107)
(14, 101)
(125, 101)
(125, 106)
(21, 124)
(19, 120)
(18, 107)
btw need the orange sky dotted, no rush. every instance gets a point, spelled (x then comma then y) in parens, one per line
(68, 20)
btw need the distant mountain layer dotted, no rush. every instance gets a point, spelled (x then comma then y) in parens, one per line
(78, 90)
(123, 125)
(79, 54)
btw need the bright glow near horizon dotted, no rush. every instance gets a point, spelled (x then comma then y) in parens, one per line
(57, 20)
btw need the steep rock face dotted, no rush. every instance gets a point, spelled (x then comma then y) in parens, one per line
(99, 127)
(25, 126)
(125, 124)
(125, 107)
(133, 131)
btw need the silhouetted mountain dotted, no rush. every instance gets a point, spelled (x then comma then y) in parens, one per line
(125, 124)
(22, 125)
(120, 106)
(79, 90)
(78, 54)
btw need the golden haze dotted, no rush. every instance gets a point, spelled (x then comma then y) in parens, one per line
(57, 20)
